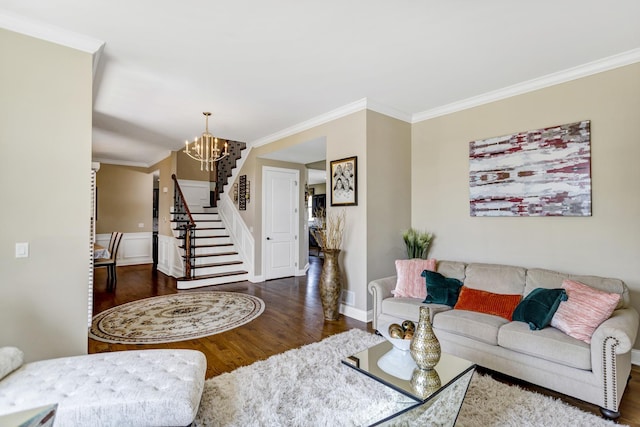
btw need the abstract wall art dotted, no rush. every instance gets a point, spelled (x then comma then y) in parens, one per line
(542, 172)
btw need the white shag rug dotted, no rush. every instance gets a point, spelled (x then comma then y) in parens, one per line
(310, 386)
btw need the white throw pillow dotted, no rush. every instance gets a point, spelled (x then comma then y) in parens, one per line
(11, 358)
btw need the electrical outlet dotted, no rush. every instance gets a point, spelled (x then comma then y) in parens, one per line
(22, 250)
(349, 297)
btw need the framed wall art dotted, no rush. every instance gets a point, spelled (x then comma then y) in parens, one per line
(541, 172)
(344, 182)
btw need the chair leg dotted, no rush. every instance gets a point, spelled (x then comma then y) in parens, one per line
(115, 276)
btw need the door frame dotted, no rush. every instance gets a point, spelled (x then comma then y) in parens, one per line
(263, 237)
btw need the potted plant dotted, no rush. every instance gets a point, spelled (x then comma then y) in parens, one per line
(417, 243)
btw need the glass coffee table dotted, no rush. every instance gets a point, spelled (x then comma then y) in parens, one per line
(435, 395)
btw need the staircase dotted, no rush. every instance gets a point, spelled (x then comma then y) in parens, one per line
(214, 259)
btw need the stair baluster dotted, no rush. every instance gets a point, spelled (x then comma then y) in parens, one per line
(182, 213)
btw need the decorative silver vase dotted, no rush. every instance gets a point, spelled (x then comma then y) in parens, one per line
(425, 382)
(330, 285)
(425, 347)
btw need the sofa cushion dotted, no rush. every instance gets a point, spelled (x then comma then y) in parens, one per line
(408, 308)
(440, 289)
(409, 283)
(478, 326)
(541, 278)
(487, 302)
(453, 269)
(11, 358)
(548, 343)
(585, 309)
(537, 308)
(499, 279)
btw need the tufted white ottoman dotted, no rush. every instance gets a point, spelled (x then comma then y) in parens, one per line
(125, 388)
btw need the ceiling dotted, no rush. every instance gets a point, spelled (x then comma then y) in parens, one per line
(265, 68)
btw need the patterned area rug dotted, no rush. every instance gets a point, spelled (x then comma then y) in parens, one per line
(176, 317)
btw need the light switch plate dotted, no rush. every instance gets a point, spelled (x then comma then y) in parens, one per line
(22, 250)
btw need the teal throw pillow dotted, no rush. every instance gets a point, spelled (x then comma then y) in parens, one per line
(538, 308)
(440, 289)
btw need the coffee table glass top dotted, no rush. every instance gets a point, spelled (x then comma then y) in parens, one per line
(396, 369)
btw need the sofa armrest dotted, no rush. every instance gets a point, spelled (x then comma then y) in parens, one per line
(611, 346)
(621, 326)
(380, 289)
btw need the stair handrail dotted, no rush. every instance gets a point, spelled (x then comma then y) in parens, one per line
(180, 202)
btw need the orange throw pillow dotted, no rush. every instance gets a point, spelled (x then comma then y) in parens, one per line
(501, 305)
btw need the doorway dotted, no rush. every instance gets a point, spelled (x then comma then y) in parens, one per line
(280, 219)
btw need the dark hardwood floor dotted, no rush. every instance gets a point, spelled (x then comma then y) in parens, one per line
(292, 318)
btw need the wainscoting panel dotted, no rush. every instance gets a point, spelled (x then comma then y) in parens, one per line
(169, 259)
(240, 234)
(135, 248)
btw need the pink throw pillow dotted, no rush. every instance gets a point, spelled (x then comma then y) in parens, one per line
(584, 310)
(410, 284)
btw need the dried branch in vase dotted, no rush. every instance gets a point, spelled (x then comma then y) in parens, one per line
(329, 230)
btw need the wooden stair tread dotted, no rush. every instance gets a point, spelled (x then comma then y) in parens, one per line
(214, 276)
(213, 245)
(212, 255)
(199, 221)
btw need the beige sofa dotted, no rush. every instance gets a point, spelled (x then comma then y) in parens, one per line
(596, 373)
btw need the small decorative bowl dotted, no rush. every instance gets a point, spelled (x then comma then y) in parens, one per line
(400, 344)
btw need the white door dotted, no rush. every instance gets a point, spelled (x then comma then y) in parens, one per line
(280, 216)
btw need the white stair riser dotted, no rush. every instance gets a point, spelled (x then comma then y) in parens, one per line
(216, 232)
(190, 284)
(219, 258)
(199, 216)
(212, 240)
(220, 269)
(213, 250)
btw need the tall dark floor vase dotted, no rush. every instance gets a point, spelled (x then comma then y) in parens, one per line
(330, 285)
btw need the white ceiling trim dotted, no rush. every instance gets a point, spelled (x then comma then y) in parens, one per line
(343, 111)
(389, 111)
(311, 123)
(53, 34)
(123, 162)
(599, 66)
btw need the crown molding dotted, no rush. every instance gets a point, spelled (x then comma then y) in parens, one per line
(595, 67)
(121, 162)
(53, 34)
(389, 111)
(345, 110)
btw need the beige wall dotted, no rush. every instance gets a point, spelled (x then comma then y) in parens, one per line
(187, 168)
(604, 244)
(319, 189)
(345, 137)
(125, 199)
(389, 193)
(45, 167)
(374, 227)
(166, 168)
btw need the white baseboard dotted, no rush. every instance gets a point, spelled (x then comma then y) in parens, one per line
(356, 313)
(635, 357)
